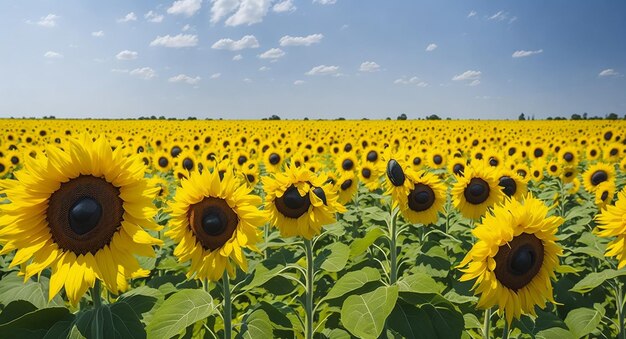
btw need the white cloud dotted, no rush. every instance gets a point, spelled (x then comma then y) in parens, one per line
(410, 81)
(98, 34)
(264, 69)
(246, 12)
(284, 6)
(186, 28)
(153, 17)
(323, 70)
(49, 20)
(119, 70)
(216, 75)
(301, 40)
(176, 41)
(247, 80)
(185, 7)
(467, 75)
(126, 55)
(609, 72)
(522, 53)
(369, 66)
(248, 41)
(184, 78)
(471, 14)
(513, 19)
(129, 17)
(146, 73)
(325, 2)
(474, 83)
(237, 57)
(500, 16)
(298, 82)
(431, 47)
(274, 53)
(53, 55)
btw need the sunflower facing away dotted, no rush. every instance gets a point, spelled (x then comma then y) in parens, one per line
(612, 223)
(300, 202)
(81, 212)
(514, 258)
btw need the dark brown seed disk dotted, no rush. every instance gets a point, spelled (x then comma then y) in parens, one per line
(477, 191)
(213, 222)
(421, 198)
(519, 261)
(84, 214)
(291, 204)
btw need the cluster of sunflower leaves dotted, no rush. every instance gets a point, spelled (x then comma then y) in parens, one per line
(354, 294)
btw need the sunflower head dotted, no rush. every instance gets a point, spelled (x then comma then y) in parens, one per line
(214, 217)
(425, 199)
(84, 213)
(512, 185)
(514, 258)
(597, 174)
(604, 194)
(476, 191)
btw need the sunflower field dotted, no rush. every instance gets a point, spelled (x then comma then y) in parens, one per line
(312, 229)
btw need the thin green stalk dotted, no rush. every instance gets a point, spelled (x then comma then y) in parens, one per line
(620, 310)
(487, 323)
(505, 330)
(96, 295)
(393, 260)
(308, 305)
(227, 312)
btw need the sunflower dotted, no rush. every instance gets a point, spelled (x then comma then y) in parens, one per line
(611, 224)
(300, 202)
(369, 174)
(536, 171)
(347, 186)
(514, 258)
(345, 162)
(425, 199)
(513, 185)
(457, 166)
(162, 162)
(593, 153)
(476, 191)
(568, 155)
(436, 159)
(213, 220)
(81, 212)
(4, 167)
(604, 194)
(596, 174)
(273, 160)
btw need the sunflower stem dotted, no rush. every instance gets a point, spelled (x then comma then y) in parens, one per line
(96, 296)
(620, 310)
(487, 323)
(308, 305)
(227, 312)
(505, 330)
(393, 260)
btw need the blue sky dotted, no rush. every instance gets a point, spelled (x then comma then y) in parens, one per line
(312, 58)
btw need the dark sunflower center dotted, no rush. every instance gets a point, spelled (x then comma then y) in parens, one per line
(250, 178)
(163, 162)
(274, 158)
(608, 136)
(175, 151)
(366, 172)
(188, 164)
(512, 150)
(395, 173)
(140, 149)
(372, 156)
(84, 214)
(493, 162)
(519, 261)
(521, 173)
(319, 192)
(538, 153)
(421, 198)
(213, 222)
(242, 160)
(553, 168)
(568, 156)
(613, 152)
(599, 176)
(346, 184)
(291, 204)
(15, 160)
(347, 165)
(593, 152)
(509, 186)
(2, 168)
(458, 169)
(417, 161)
(437, 159)
(477, 191)
(604, 195)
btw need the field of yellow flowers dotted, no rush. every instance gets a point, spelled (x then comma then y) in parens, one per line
(312, 229)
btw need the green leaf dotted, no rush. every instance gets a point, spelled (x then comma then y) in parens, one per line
(261, 275)
(408, 321)
(333, 258)
(142, 300)
(419, 283)
(117, 320)
(439, 317)
(35, 323)
(364, 315)
(595, 279)
(14, 288)
(256, 325)
(555, 332)
(361, 245)
(180, 310)
(352, 281)
(471, 321)
(15, 310)
(583, 321)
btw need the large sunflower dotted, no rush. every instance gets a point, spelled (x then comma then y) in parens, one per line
(300, 202)
(611, 223)
(81, 212)
(514, 258)
(597, 174)
(212, 221)
(425, 199)
(476, 191)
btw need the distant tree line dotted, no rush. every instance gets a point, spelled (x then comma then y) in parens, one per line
(576, 116)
